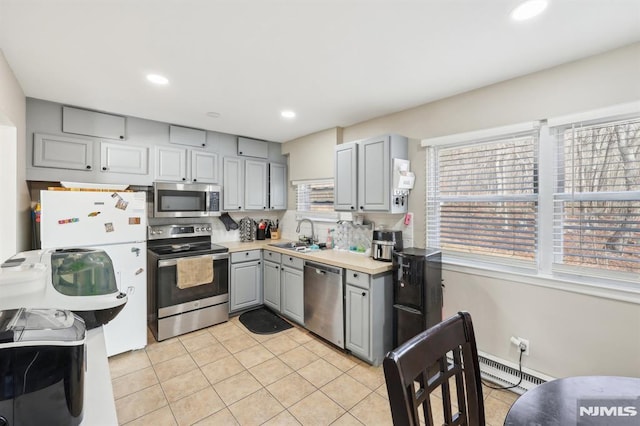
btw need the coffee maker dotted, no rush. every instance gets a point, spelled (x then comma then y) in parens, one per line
(384, 243)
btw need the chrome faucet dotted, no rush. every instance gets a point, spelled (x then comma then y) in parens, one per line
(313, 235)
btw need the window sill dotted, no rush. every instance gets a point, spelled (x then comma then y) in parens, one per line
(603, 288)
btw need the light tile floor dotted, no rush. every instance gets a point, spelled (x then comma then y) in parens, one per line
(226, 375)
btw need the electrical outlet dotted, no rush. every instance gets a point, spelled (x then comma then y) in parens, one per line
(519, 342)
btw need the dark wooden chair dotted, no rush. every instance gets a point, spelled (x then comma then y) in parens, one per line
(421, 365)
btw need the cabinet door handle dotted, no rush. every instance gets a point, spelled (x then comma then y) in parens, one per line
(355, 275)
(361, 208)
(104, 168)
(353, 208)
(88, 167)
(184, 178)
(195, 180)
(121, 137)
(364, 294)
(277, 267)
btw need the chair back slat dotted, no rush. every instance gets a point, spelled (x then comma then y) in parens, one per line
(421, 365)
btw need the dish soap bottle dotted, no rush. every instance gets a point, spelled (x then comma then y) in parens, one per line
(330, 239)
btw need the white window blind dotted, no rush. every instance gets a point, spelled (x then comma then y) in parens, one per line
(314, 196)
(597, 196)
(482, 197)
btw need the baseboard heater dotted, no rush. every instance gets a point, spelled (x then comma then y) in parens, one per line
(505, 373)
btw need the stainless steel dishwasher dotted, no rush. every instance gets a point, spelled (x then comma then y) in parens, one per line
(324, 301)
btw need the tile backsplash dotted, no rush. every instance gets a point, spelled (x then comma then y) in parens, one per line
(288, 224)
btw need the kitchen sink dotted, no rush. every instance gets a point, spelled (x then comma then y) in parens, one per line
(297, 246)
(290, 245)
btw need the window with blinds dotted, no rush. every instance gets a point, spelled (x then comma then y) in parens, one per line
(597, 195)
(482, 197)
(314, 196)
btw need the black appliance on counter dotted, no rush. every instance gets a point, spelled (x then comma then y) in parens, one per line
(172, 308)
(417, 292)
(42, 365)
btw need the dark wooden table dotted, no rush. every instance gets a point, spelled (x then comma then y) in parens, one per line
(584, 400)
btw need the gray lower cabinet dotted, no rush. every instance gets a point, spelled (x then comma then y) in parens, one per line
(357, 321)
(271, 276)
(245, 286)
(292, 286)
(368, 315)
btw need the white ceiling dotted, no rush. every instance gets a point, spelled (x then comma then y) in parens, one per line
(335, 62)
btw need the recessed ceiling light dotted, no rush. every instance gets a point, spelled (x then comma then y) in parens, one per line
(528, 9)
(288, 114)
(157, 79)
(213, 114)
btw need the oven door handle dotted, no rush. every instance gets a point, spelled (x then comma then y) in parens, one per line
(174, 262)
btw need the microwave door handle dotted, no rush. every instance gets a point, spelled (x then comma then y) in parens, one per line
(207, 202)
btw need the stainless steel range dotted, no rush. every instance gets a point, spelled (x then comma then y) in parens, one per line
(188, 281)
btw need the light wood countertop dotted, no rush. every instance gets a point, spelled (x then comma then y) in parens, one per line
(340, 258)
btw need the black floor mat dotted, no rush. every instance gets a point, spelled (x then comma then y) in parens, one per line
(263, 321)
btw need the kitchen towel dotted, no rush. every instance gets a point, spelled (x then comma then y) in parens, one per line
(194, 271)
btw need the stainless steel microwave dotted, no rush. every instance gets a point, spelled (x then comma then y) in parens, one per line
(186, 200)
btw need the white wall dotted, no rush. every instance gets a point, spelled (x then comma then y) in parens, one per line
(14, 209)
(569, 333)
(311, 157)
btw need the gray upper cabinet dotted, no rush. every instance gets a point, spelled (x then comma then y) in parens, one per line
(204, 167)
(119, 158)
(346, 168)
(62, 152)
(253, 148)
(363, 174)
(232, 183)
(92, 123)
(171, 164)
(187, 136)
(374, 171)
(255, 185)
(277, 186)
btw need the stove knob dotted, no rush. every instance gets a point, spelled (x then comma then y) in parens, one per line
(208, 228)
(160, 231)
(197, 229)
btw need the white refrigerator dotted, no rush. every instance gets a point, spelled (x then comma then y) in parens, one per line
(115, 222)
